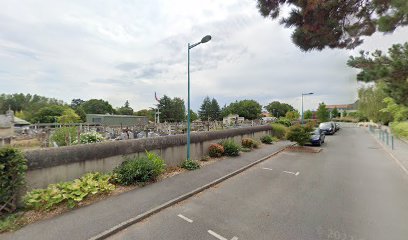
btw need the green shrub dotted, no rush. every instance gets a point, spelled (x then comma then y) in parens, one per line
(249, 143)
(90, 137)
(190, 165)
(268, 139)
(65, 136)
(215, 150)
(13, 167)
(279, 130)
(9, 222)
(284, 121)
(298, 134)
(70, 192)
(230, 147)
(400, 129)
(139, 169)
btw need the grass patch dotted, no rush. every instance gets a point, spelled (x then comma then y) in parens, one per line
(10, 222)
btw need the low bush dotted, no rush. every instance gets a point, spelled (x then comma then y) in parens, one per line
(190, 165)
(90, 137)
(69, 192)
(215, 150)
(9, 222)
(400, 129)
(249, 143)
(230, 147)
(139, 169)
(13, 167)
(298, 134)
(279, 130)
(65, 136)
(268, 139)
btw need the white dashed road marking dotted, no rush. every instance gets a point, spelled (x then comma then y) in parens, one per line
(267, 168)
(297, 173)
(219, 236)
(185, 218)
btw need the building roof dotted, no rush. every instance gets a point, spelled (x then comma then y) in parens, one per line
(340, 106)
(20, 121)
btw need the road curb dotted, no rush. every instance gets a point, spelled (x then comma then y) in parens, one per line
(173, 201)
(397, 161)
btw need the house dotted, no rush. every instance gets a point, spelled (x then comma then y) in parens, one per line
(116, 120)
(341, 108)
(232, 119)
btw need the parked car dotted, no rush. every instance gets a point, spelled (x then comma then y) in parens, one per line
(337, 126)
(317, 137)
(328, 128)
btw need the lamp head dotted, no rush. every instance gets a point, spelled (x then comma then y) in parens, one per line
(206, 39)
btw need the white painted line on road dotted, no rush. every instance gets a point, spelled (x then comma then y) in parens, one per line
(185, 218)
(216, 235)
(267, 168)
(219, 236)
(292, 173)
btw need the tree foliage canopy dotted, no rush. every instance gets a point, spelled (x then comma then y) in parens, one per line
(209, 110)
(125, 110)
(336, 24)
(278, 109)
(97, 106)
(391, 68)
(249, 109)
(322, 113)
(172, 110)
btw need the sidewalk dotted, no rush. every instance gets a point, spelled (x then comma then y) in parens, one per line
(89, 221)
(400, 148)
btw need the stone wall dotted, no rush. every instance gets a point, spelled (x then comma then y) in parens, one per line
(53, 165)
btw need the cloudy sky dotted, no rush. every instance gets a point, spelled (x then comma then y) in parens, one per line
(127, 50)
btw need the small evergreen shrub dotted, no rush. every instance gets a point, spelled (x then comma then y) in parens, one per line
(279, 130)
(267, 139)
(216, 150)
(70, 192)
(139, 169)
(298, 134)
(230, 147)
(249, 143)
(190, 165)
(13, 166)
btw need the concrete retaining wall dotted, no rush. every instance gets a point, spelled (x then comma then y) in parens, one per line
(53, 165)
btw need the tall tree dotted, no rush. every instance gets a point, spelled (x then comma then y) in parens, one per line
(193, 116)
(97, 106)
(371, 102)
(69, 116)
(335, 113)
(278, 109)
(308, 114)
(205, 109)
(336, 24)
(292, 115)
(249, 109)
(391, 68)
(125, 110)
(215, 111)
(322, 113)
(172, 110)
(49, 114)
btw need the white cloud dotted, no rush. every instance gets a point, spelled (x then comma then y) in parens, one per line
(127, 50)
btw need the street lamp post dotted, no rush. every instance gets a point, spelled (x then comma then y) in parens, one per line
(304, 94)
(203, 40)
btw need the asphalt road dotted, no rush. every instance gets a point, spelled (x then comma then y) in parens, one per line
(352, 190)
